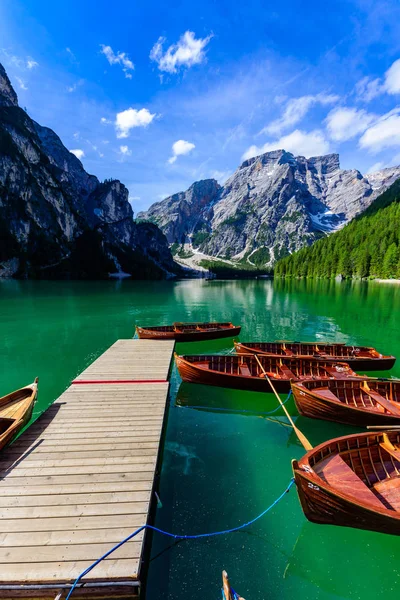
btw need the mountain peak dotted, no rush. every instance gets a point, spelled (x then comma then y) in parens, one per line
(8, 97)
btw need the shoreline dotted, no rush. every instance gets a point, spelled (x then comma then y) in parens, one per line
(387, 280)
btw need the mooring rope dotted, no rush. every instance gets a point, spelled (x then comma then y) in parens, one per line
(178, 537)
(240, 411)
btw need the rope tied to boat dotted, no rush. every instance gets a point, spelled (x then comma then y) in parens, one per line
(177, 536)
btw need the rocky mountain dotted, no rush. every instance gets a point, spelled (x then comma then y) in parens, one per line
(272, 205)
(56, 220)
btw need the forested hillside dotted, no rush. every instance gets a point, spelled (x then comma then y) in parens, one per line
(369, 246)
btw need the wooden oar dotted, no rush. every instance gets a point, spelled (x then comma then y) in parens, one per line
(297, 431)
(383, 427)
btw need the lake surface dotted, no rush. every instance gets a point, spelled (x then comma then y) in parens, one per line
(220, 467)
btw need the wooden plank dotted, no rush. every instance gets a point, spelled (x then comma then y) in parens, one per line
(78, 488)
(36, 463)
(61, 553)
(70, 510)
(80, 455)
(83, 470)
(50, 499)
(77, 479)
(46, 447)
(72, 524)
(83, 536)
(107, 570)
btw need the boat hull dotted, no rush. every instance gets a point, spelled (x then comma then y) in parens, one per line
(11, 434)
(311, 405)
(384, 363)
(192, 336)
(321, 505)
(193, 374)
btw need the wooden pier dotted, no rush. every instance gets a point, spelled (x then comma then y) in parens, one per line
(81, 479)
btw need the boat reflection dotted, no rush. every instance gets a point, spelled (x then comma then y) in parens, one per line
(204, 397)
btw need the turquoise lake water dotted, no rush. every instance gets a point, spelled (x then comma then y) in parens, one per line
(220, 467)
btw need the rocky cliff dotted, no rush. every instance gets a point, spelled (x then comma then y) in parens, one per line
(273, 204)
(56, 220)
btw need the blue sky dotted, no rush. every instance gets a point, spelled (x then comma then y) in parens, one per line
(161, 94)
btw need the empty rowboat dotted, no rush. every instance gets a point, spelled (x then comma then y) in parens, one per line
(248, 372)
(352, 481)
(189, 332)
(358, 402)
(15, 411)
(362, 358)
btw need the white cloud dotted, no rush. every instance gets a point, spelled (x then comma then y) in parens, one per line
(180, 148)
(392, 78)
(384, 133)
(21, 63)
(367, 88)
(78, 153)
(124, 150)
(120, 58)
(105, 121)
(345, 123)
(295, 110)
(130, 118)
(298, 142)
(30, 63)
(21, 83)
(188, 51)
(221, 176)
(73, 87)
(376, 167)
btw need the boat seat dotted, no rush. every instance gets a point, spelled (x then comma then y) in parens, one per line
(287, 372)
(244, 370)
(387, 404)
(332, 372)
(5, 423)
(388, 446)
(389, 491)
(326, 393)
(337, 473)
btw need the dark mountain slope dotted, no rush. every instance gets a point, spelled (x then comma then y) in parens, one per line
(56, 220)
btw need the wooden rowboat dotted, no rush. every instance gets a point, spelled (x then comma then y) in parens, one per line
(247, 372)
(15, 411)
(358, 402)
(352, 481)
(189, 332)
(228, 593)
(363, 358)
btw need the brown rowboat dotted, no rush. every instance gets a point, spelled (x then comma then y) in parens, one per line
(15, 411)
(352, 481)
(189, 332)
(358, 402)
(247, 372)
(363, 358)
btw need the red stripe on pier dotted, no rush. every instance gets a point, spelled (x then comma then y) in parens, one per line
(84, 382)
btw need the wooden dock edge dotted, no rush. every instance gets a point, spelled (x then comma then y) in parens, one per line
(118, 588)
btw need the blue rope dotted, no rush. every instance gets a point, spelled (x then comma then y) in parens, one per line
(177, 537)
(271, 412)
